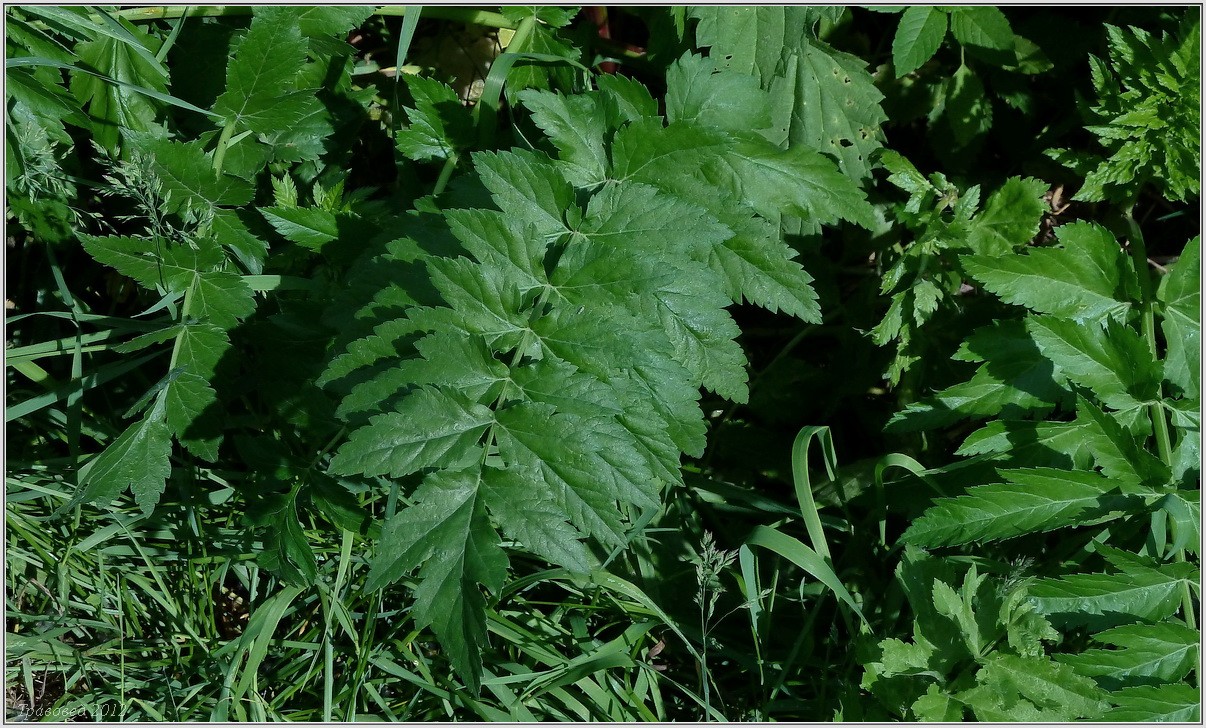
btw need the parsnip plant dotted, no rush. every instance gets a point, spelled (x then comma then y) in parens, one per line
(430, 350)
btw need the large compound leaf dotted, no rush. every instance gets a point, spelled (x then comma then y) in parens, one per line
(551, 376)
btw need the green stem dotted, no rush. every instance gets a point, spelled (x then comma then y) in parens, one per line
(185, 310)
(220, 150)
(1148, 311)
(169, 12)
(1159, 421)
(522, 33)
(445, 174)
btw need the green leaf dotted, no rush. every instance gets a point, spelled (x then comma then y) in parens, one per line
(1033, 501)
(527, 185)
(698, 91)
(310, 227)
(1016, 378)
(1166, 652)
(957, 606)
(448, 537)
(430, 428)
(1087, 280)
(1181, 301)
(1147, 117)
(1116, 451)
(834, 105)
(574, 124)
(753, 39)
(798, 182)
(1178, 703)
(1047, 684)
(287, 552)
(1026, 630)
(765, 274)
(984, 29)
(439, 123)
(627, 97)
(112, 107)
(636, 219)
(583, 474)
(1010, 217)
(968, 108)
(918, 38)
(557, 17)
(499, 239)
(1113, 362)
(222, 298)
(754, 261)
(262, 70)
(331, 20)
(137, 459)
(229, 230)
(199, 347)
(137, 258)
(534, 519)
(1031, 444)
(188, 399)
(544, 40)
(1139, 593)
(937, 707)
(187, 174)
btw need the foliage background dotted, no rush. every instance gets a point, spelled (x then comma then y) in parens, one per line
(784, 578)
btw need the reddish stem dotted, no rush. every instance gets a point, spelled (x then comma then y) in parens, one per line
(598, 16)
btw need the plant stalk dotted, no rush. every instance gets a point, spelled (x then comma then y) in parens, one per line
(185, 310)
(220, 150)
(1148, 311)
(170, 12)
(1159, 420)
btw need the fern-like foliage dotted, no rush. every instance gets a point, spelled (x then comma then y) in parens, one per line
(1077, 396)
(1147, 116)
(925, 276)
(548, 385)
(194, 247)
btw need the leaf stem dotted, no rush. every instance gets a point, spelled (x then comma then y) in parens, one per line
(445, 174)
(1159, 421)
(185, 310)
(1147, 308)
(220, 150)
(169, 12)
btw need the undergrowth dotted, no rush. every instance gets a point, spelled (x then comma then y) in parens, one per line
(602, 364)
